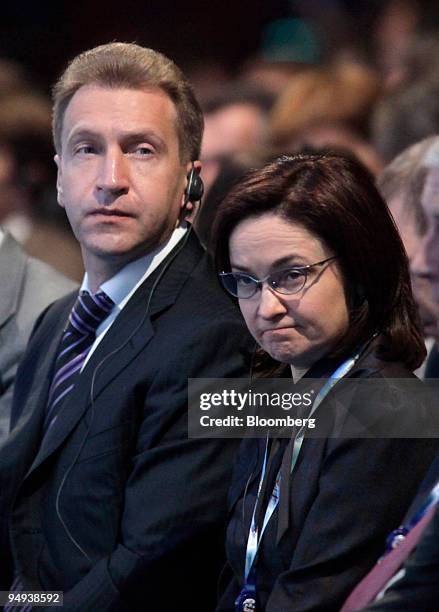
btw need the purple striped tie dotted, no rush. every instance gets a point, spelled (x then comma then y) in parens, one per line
(87, 314)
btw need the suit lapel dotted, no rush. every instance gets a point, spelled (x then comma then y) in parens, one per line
(247, 470)
(100, 370)
(430, 480)
(129, 334)
(40, 357)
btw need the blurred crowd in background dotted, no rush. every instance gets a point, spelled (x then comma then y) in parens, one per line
(317, 81)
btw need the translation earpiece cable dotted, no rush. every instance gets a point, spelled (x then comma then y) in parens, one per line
(93, 381)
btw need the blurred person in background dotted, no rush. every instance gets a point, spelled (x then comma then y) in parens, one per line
(425, 263)
(236, 124)
(28, 206)
(405, 578)
(394, 29)
(406, 115)
(418, 61)
(407, 184)
(27, 286)
(406, 575)
(327, 108)
(302, 233)
(403, 31)
(287, 47)
(235, 132)
(203, 216)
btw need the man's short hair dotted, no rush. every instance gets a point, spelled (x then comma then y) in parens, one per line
(131, 66)
(405, 176)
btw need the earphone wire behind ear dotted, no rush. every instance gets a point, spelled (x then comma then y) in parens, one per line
(195, 187)
(193, 192)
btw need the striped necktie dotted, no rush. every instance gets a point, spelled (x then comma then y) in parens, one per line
(87, 314)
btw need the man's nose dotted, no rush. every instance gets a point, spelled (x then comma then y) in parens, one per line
(112, 179)
(271, 304)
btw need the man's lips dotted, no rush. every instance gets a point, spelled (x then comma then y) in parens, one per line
(108, 212)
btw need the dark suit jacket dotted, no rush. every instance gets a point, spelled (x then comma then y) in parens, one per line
(117, 507)
(344, 496)
(419, 587)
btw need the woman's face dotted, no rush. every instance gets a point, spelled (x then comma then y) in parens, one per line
(296, 329)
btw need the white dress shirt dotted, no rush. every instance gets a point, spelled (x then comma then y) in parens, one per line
(124, 284)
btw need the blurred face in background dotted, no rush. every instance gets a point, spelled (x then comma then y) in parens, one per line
(414, 245)
(425, 261)
(232, 130)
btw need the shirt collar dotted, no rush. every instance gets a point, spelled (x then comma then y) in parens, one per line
(124, 284)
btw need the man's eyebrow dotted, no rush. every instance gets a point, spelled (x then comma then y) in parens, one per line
(125, 137)
(143, 136)
(81, 133)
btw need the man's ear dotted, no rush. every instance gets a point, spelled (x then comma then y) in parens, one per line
(59, 190)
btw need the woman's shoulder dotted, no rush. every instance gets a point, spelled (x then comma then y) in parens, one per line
(373, 364)
(388, 399)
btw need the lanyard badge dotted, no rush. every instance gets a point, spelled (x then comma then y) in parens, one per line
(247, 598)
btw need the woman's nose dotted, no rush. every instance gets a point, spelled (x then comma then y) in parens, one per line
(270, 304)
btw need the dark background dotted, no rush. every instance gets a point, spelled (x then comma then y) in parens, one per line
(44, 36)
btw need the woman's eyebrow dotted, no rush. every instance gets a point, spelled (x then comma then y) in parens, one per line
(281, 262)
(291, 260)
(239, 267)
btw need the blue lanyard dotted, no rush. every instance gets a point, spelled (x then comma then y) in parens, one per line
(254, 538)
(339, 373)
(398, 535)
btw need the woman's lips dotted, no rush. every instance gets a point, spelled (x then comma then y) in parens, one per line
(277, 331)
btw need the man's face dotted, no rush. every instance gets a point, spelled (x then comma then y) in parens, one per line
(425, 261)
(120, 176)
(238, 128)
(407, 226)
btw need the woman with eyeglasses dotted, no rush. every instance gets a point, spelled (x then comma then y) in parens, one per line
(309, 249)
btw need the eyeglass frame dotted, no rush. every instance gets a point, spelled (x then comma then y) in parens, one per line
(258, 283)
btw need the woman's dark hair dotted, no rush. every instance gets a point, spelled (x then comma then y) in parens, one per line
(334, 197)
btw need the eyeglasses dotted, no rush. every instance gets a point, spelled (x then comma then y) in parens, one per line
(287, 282)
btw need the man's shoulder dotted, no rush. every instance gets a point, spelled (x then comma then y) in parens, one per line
(42, 286)
(55, 285)
(31, 284)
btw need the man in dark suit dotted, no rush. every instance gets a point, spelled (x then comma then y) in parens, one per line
(407, 577)
(102, 494)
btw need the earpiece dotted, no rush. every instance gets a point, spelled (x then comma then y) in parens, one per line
(195, 187)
